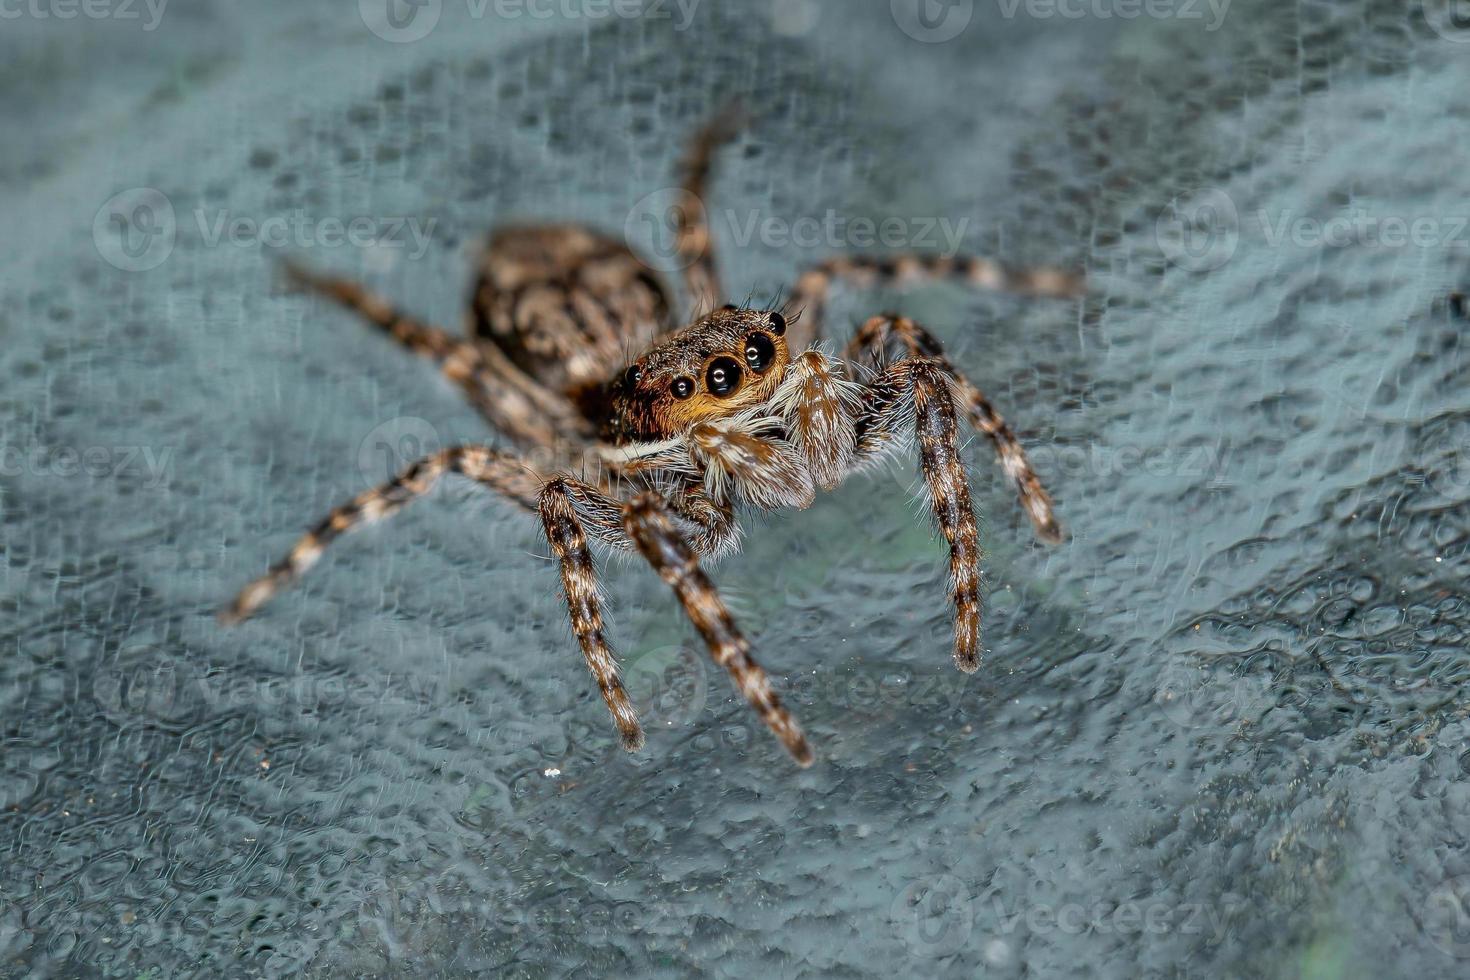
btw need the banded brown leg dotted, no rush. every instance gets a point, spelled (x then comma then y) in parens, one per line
(501, 472)
(503, 394)
(813, 286)
(873, 340)
(648, 523)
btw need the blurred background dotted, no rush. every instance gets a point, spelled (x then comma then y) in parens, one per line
(1219, 732)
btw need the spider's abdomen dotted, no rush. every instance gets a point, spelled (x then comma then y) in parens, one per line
(566, 304)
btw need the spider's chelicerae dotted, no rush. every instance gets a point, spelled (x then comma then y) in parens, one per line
(737, 409)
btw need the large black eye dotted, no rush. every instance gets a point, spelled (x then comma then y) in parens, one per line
(759, 352)
(778, 325)
(632, 376)
(682, 388)
(723, 376)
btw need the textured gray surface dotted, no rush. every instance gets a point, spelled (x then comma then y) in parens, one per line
(1220, 732)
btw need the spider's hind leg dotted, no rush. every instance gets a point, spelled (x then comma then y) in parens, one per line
(508, 399)
(693, 242)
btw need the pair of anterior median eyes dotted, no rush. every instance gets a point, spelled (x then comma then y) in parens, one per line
(723, 374)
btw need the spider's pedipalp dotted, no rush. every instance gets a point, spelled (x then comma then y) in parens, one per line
(816, 403)
(648, 523)
(741, 460)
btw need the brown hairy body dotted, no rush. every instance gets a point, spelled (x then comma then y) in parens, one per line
(738, 409)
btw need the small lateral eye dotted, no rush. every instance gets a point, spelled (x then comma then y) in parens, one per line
(682, 387)
(759, 352)
(723, 376)
(633, 375)
(778, 325)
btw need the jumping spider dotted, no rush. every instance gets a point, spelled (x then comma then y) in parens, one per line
(740, 408)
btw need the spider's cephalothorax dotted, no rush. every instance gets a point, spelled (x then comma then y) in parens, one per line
(739, 409)
(729, 361)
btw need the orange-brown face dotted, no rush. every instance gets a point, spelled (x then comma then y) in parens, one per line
(729, 361)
